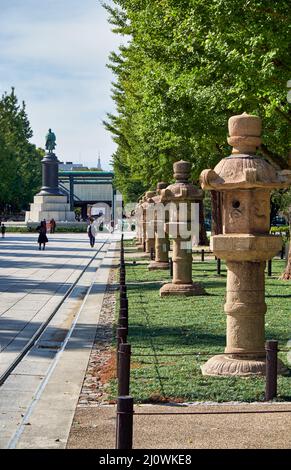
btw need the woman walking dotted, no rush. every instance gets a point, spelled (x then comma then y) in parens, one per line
(91, 230)
(42, 238)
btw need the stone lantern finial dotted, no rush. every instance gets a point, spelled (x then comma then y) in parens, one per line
(182, 170)
(244, 133)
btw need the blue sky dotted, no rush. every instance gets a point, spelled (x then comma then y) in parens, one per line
(54, 52)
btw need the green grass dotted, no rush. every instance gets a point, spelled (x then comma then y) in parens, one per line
(183, 325)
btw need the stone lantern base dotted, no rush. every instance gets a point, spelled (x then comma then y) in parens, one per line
(182, 289)
(158, 265)
(226, 366)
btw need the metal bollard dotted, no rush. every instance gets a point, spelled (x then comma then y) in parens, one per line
(123, 322)
(123, 303)
(171, 267)
(122, 278)
(124, 422)
(124, 369)
(218, 266)
(202, 255)
(282, 252)
(121, 334)
(152, 253)
(122, 290)
(271, 369)
(269, 267)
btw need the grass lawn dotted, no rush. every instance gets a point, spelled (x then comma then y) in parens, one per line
(183, 325)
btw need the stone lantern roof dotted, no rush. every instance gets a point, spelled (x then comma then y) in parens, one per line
(243, 169)
(182, 189)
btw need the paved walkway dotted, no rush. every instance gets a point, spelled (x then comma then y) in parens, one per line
(44, 387)
(94, 428)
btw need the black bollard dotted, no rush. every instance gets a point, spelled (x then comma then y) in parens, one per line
(171, 266)
(123, 303)
(123, 322)
(124, 422)
(282, 252)
(122, 278)
(218, 266)
(202, 255)
(122, 290)
(121, 334)
(124, 369)
(269, 267)
(271, 369)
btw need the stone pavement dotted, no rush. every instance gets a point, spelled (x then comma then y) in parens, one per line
(94, 428)
(32, 283)
(37, 402)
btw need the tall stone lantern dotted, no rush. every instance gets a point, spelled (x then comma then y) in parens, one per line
(161, 260)
(148, 229)
(245, 182)
(182, 194)
(139, 226)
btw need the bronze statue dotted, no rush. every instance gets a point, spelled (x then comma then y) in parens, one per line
(50, 141)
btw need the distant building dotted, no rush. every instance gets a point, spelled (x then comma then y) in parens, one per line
(70, 166)
(88, 189)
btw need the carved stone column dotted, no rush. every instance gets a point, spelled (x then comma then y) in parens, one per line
(245, 181)
(182, 194)
(162, 244)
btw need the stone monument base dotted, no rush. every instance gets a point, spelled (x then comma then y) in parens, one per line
(226, 366)
(182, 289)
(158, 265)
(50, 207)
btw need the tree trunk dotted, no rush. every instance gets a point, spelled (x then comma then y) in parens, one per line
(203, 240)
(216, 227)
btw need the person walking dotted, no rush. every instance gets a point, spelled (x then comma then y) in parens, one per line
(91, 230)
(42, 238)
(3, 230)
(53, 225)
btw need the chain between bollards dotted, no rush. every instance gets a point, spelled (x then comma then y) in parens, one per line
(271, 369)
(124, 422)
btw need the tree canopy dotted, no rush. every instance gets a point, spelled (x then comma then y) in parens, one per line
(20, 167)
(187, 67)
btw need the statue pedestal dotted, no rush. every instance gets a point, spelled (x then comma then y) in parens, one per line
(50, 207)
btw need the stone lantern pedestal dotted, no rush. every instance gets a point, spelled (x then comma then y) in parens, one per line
(245, 181)
(182, 194)
(162, 244)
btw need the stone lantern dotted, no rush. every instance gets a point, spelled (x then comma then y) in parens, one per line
(139, 225)
(162, 244)
(148, 229)
(245, 182)
(182, 194)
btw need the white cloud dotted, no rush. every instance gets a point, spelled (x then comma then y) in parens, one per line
(55, 56)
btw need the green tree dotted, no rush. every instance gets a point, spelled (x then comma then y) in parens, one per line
(187, 67)
(20, 173)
